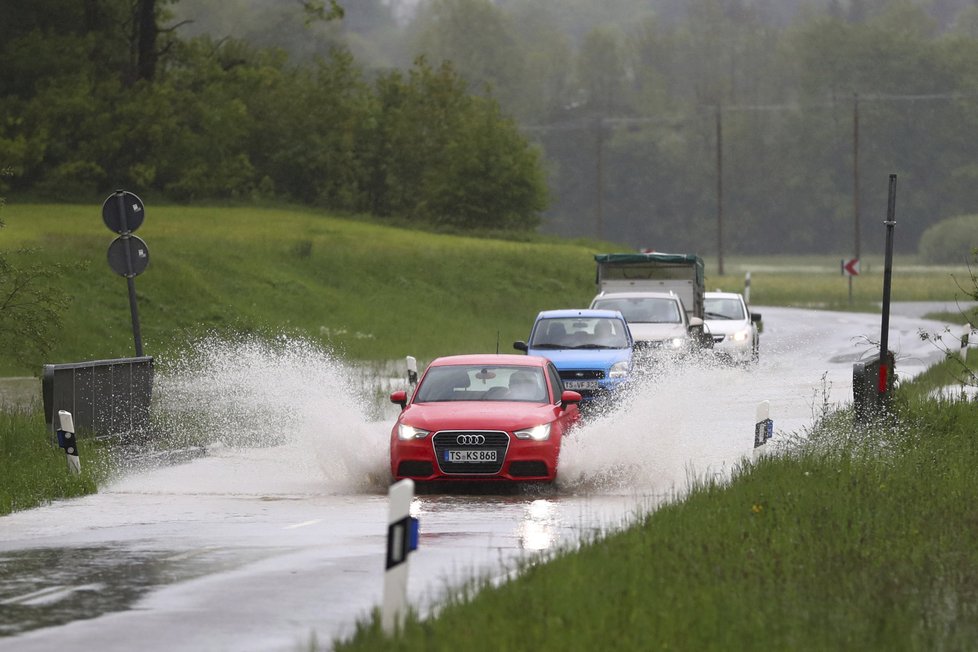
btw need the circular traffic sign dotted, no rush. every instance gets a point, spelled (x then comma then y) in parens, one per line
(123, 216)
(138, 255)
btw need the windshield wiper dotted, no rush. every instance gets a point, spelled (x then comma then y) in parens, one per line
(546, 346)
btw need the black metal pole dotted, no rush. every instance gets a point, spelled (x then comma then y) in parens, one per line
(130, 276)
(887, 278)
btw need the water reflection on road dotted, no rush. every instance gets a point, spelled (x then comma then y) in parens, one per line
(44, 587)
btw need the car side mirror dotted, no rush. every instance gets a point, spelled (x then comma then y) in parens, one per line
(695, 322)
(520, 345)
(399, 397)
(567, 397)
(755, 317)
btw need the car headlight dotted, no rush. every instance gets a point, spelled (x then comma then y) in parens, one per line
(740, 336)
(676, 342)
(619, 370)
(539, 433)
(410, 432)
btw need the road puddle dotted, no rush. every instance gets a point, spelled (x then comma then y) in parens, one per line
(46, 587)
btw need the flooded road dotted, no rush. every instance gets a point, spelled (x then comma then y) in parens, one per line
(276, 537)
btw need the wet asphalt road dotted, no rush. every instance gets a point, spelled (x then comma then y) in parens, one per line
(271, 547)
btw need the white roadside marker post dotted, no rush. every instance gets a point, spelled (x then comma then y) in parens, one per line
(747, 288)
(763, 427)
(402, 538)
(68, 441)
(965, 335)
(412, 370)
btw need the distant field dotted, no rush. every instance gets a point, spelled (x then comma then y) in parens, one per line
(371, 292)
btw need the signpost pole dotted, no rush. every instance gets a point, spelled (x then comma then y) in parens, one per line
(130, 275)
(887, 279)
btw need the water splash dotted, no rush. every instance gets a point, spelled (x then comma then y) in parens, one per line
(683, 421)
(286, 416)
(282, 415)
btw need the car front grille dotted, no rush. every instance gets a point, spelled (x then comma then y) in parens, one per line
(718, 338)
(448, 440)
(581, 374)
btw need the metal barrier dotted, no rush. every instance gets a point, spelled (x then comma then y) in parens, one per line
(105, 397)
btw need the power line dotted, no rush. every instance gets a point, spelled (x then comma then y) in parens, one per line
(795, 107)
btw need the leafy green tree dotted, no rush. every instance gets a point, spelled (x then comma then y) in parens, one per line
(439, 155)
(479, 41)
(601, 71)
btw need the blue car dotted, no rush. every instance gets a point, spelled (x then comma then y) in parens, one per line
(592, 349)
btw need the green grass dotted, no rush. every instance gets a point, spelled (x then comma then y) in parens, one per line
(860, 540)
(368, 291)
(952, 372)
(34, 472)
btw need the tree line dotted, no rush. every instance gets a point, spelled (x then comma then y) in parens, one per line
(105, 94)
(808, 114)
(588, 119)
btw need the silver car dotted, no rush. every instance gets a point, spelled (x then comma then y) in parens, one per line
(732, 325)
(658, 320)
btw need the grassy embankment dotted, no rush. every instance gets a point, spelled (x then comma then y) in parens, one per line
(368, 291)
(860, 540)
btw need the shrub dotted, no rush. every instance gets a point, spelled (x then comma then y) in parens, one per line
(950, 241)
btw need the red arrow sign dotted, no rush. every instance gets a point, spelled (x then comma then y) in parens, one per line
(850, 267)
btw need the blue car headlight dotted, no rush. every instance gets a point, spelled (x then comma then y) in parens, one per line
(619, 370)
(410, 432)
(538, 433)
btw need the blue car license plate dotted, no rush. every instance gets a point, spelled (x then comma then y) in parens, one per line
(580, 384)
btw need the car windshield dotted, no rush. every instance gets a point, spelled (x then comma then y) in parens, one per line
(483, 383)
(723, 308)
(642, 310)
(579, 333)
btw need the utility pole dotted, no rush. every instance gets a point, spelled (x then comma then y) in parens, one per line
(719, 192)
(855, 182)
(599, 181)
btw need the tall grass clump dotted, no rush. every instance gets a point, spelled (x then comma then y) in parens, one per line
(33, 471)
(859, 538)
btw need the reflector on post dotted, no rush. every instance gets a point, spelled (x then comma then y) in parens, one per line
(402, 539)
(68, 441)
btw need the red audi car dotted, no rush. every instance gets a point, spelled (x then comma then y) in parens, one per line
(483, 418)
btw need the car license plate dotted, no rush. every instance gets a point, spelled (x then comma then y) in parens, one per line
(580, 384)
(470, 456)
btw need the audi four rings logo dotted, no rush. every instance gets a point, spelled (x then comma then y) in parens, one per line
(470, 440)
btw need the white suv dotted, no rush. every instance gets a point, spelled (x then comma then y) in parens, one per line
(733, 326)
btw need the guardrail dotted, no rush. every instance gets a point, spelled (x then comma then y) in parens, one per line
(105, 397)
